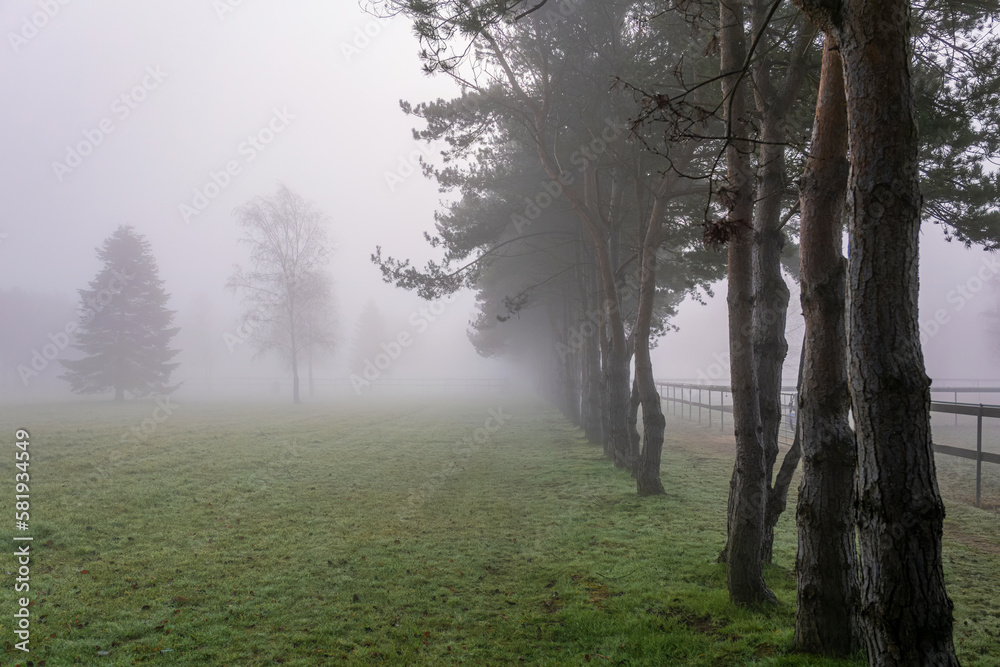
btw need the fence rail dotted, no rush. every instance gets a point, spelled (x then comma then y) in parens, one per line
(673, 393)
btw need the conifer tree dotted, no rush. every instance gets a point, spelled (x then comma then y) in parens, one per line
(124, 329)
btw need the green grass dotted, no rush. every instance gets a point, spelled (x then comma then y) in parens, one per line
(361, 534)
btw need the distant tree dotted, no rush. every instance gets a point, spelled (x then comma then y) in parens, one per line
(319, 324)
(369, 334)
(284, 288)
(124, 328)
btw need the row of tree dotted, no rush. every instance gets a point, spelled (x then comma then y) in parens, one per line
(599, 149)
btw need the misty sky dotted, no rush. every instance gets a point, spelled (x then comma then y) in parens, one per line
(163, 94)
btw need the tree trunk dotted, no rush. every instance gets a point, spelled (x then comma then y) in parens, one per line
(605, 381)
(619, 394)
(295, 375)
(748, 487)
(907, 615)
(619, 398)
(774, 98)
(826, 619)
(590, 354)
(590, 349)
(777, 494)
(571, 366)
(653, 422)
(633, 415)
(647, 475)
(312, 382)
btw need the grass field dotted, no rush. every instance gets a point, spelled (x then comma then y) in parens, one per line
(416, 534)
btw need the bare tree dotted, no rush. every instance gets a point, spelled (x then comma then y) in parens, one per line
(285, 289)
(319, 330)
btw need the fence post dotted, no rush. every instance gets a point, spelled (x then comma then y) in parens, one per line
(979, 454)
(722, 411)
(710, 408)
(699, 405)
(956, 403)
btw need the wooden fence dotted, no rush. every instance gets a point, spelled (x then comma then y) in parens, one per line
(709, 401)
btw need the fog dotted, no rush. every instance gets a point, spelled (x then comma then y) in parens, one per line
(322, 343)
(129, 113)
(198, 82)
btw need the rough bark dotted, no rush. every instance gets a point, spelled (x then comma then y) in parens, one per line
(571, 368)
(605, 383)
(906, 612)
(653, 422)
(747, 492)
(827, 593)
(619, 398)
(590, 358)
(906, 615)
(633, 411)
(777, 494)
(773, 99)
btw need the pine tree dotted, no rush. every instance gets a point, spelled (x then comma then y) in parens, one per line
(124, 328)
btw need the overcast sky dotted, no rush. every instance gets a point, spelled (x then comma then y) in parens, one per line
(121, 112)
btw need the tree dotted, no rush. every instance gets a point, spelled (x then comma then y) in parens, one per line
(744, 574)
(906, 615)
(319, 324)
(124, 328)
(826, 618)
(285, 289)
(540, 80)
(370, 333)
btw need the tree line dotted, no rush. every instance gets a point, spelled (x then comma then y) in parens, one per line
(610, 159)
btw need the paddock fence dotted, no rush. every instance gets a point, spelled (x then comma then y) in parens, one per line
(711, 406)
(335, 387)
